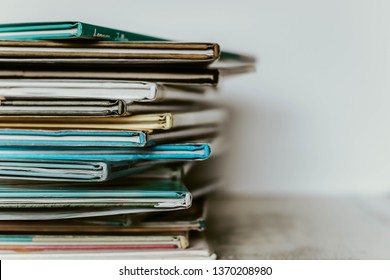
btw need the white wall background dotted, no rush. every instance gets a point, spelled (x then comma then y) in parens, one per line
(316, 113)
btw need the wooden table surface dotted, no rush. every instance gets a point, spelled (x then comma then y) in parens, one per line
(299, 227)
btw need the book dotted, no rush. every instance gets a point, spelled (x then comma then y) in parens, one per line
(70, 170)
(177, 151)
(139, 195)
(171, 76)
(92, 89)
(89, 242)
(101, 138)
(106, 53)
(66, 30)
(139, 122)
(86, 108)
(198, 249)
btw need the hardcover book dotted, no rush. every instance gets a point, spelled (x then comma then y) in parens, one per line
(66, 30)
(101, 138)
(107, 52)
(132, 195)
(139, 122)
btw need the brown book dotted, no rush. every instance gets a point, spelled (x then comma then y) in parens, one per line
(106, 53)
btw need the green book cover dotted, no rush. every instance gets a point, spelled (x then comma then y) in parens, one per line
(67, 30)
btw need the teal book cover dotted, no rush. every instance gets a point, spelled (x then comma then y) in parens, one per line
(67, 30)
(123, 193)
(120, 188)
(182, 151)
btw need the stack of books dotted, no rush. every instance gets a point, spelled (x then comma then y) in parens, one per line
(103, 134)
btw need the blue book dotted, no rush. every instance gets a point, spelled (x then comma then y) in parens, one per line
(100, 138)
(71, 170)
(90, 164)
(159, 152)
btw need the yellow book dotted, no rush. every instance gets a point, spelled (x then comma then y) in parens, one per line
(142, 122)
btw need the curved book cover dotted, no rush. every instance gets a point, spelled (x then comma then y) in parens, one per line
(139, 122)
(171, 76)
(71, 170)
(122, 194)
(198, 249)
(66, 30)
(183, 151)
(108, 53)
(100, 138)
(70, 242)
